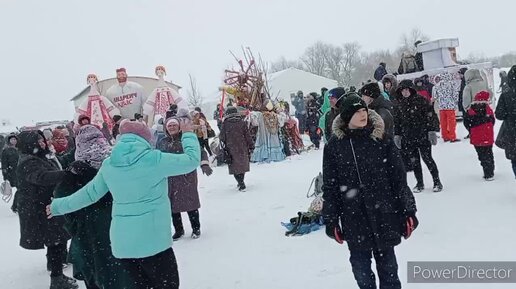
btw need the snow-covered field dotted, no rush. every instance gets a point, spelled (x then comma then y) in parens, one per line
(243, 244)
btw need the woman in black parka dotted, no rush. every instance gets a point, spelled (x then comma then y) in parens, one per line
(506, 112)
(367, 202)
(38, 174)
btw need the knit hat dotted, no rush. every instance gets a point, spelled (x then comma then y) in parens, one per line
(339, 93)
(371, 89)
(135, 127)
(350, 105)
(482, 97)
(91, 146)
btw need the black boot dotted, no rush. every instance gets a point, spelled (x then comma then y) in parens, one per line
(438, 187)
(196, 224)
(178, 226)
(418, 188)
(63, 282)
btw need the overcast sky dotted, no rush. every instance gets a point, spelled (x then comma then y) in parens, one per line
(48, 47)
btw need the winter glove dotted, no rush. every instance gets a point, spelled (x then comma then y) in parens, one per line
(334, 231)
(207, 170)
(411, 223)
(397, 141)
(432, 137)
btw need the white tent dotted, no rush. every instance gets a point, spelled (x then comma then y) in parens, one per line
(291, 80)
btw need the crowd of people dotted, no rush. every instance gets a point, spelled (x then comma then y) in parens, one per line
(90, 185)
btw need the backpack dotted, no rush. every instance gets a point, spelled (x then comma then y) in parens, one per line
(409, 64)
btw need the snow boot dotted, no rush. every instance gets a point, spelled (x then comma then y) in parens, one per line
(489, 178)
(63, 282)
(438, 187)
(196, 234)
(242, 187)
(178, 235)
(418, 188)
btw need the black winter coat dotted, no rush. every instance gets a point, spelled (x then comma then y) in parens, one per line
(313, 114)
(414, 117)
(365, 186)
(10, 157)
(506, 112)
(90, 249)
(384, 108)
(37, 177)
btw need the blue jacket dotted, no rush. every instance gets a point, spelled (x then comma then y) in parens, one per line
(136, 175)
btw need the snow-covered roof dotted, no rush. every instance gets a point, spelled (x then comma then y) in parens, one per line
(292, 70)
(292, 80)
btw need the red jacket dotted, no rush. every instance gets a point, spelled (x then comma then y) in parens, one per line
(425, 94)
(480, 121)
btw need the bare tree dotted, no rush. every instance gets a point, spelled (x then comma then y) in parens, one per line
(334, 58)
(195, 98)
(507, 59)
(282, 63)
(351, 60)
(407, 40)
(314, 58)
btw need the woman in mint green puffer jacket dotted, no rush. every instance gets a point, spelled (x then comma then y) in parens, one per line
(136, 175)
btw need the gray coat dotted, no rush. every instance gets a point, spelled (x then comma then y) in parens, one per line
(474, 84)
(182, 190)
(237, 139)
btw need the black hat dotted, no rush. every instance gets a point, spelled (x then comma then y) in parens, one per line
(371, 89)
(350, 105)
(338, 93)
(116, 118)
(11, 136)
(407, 83)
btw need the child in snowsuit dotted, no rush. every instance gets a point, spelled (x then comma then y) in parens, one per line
(480, 122)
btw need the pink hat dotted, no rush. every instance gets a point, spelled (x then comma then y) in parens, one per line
(137, 128)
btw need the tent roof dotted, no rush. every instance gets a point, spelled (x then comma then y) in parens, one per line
(275, 75)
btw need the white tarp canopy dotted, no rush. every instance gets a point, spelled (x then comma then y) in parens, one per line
(291, 80)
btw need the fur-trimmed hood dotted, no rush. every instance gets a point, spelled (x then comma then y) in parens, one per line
(374, 119)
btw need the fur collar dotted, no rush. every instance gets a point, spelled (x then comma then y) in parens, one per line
(339, 126)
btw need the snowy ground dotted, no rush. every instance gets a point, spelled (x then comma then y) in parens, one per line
(243, 245)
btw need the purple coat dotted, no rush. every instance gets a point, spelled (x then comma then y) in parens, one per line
(182, 190)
